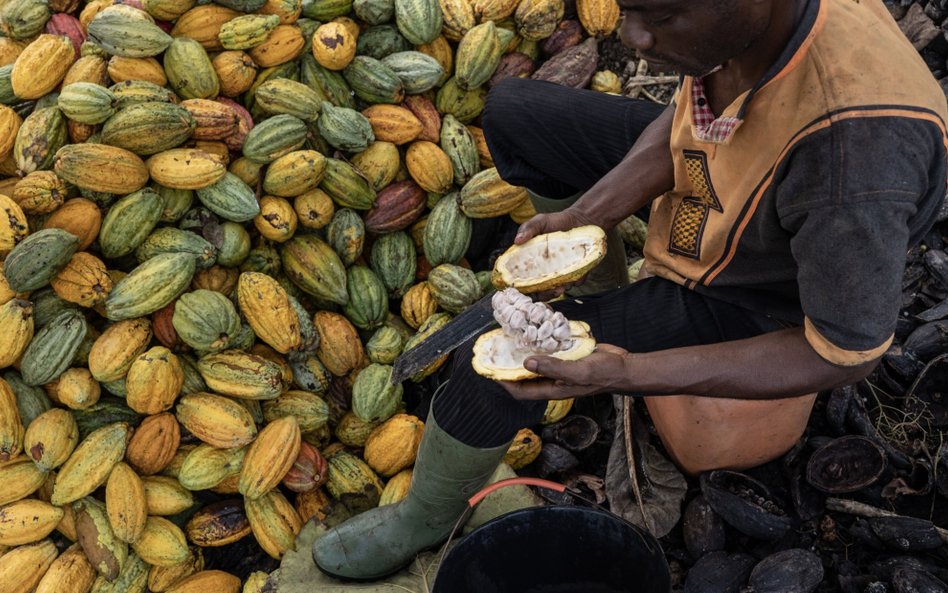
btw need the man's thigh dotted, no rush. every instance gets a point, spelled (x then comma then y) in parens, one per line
(657, 314)
(557, 140)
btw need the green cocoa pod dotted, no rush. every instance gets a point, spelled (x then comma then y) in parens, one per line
(205, 320)
(447, 233)
(394, 260)
(373, 82)
(53, 348)
(345, 129)
(190, 72)
(150, 286)
(41, 134)
(120, 32)
(418, 72)
(284, 96)
(86, 102)
(380, 41)
(313, 266)
(346, 186)
(35, 260)
(172, 240)
(129, 221)
(330, 86)
(149, 128)
(274, 137)
(346, 235)
(368, 298)
(230, 198)
(419, 21)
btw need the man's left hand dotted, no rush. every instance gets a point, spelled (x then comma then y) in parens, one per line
(604, 370)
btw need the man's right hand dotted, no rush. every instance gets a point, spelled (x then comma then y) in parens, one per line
(541, 224)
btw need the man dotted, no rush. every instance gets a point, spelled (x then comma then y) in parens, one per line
(803, 155)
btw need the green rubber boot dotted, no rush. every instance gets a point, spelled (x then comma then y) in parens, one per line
(381, 541)
(612, 271)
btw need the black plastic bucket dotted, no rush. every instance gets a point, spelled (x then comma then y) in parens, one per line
(555, 549)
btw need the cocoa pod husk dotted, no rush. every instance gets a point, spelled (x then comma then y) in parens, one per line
(573, 67)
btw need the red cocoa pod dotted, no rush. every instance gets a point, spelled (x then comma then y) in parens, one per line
(164, 330)
(513, 65)
(573, 67)
(236, 140)
(309, 471)
(69, 26)
(427, 114)
(396, 207)
(568, 34)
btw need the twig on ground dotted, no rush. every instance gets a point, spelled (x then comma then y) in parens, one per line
(859, 509)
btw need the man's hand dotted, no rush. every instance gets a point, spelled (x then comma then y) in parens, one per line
(541, 224)
(605, 370)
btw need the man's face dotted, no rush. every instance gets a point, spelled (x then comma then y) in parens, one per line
(691, 37)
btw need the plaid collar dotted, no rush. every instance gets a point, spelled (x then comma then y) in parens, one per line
(706, 127)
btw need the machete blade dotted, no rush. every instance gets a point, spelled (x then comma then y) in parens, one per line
(460, 329)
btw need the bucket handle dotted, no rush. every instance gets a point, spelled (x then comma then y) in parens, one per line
(484, 492)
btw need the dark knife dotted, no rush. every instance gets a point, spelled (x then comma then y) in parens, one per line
(460, 329)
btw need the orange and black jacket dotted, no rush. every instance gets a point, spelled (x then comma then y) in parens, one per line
(836, 166)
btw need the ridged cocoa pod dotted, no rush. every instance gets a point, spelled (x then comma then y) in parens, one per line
(513, 65)
(396, 207)
(573, 67)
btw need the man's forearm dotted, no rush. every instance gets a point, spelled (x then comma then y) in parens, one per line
(644, 174)
(770, 366)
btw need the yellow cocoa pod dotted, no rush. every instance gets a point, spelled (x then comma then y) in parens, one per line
(71, 572)
(148, 69)
(154, 444)
(524, 212)
(92, 69)
(217, 420)
(458, 18)
(440, 50)
(312, 504)
(20, 478)
(418, 304)
(274, 522)
(314, 209)
(173, 469)
(106, 553)
(89, 465)
(266, 306)
(599, 17)
(203, 24)
(162, 578)
(13, 226)
(125, 503)
(294, 173)
(216, 278)
(429, 166)
(16, 319)
(117, 348)
(493, 10)
(206, 466)
(162, 543)
(67, 526)
(9, 126)
(350, 24)
(556, 410)
(167, 10)
(217, 581)
(79, 216)
(22, 568)
(185, 168)
(41, 66)
(277, 219)
(241, 374)
(334, 45)
(77, 389)
(101, 168)
(269, 457)
(396, 488)
(83, 281)
(91, 9)
(606, 81)
(236, 71)
(164, 496)
(284, 44)
(10, 49)
(524, 449)
(256, 581)
(248, 171)
(486, 195)
(340, 349)
(483, 152)
(393, 123)
(27, 521)
(40, 192)
(379, 163)
(393, 446)
(352, 431)
(11, 428)
(51, 438)
(154, 380)
(288, 10)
